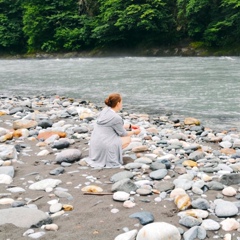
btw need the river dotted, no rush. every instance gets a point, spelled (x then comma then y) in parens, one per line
(203, 87)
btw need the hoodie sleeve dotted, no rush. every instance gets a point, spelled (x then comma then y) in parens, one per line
(119, 129)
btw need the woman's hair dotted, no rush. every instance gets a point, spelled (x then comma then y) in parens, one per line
(113, 99)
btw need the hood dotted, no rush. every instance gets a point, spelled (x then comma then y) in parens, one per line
(106, 116)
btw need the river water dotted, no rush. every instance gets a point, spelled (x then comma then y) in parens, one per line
(205, 88)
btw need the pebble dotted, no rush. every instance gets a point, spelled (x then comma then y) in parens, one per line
(171, 160)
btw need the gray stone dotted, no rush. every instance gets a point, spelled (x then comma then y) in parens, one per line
(61, 144)
(63, 194)
(69, 155)
(22, 217)
(201, 203)
(213, 185)
(196, 232)
(125, 185)
(158, 174)
(8, 170)
(196, 155)
(230, 179)
(121, 175)
(144, 217)
(7, 152)
(225, 208)
(189, 221)
(164, 187)
(57, 171)
(45, 183)
(45, 123)
(157, 166)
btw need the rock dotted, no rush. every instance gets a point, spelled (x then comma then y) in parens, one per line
(157, 231)
(63, 194)
(229, 191)
(201, 203)
(182, 201)
(24, 123)
(189, 221)
(210, 225)
(22, 217)
(121, 196)
(129, 204)
(57, 171)
(55, 207)
(225, 208)
(125, 185)
(92, 189)
(121, 175)
(158, 174)
(7, 152)
(230, 224)
(191, 121)
(144, 217)
(47, 134)
(8, 170)
(5, 179)
(230, 179)
(195, 156)
(61, 144)
(69, 155)
(142, 148)
(46, 183)
(197, 213)
(130, 235)
(50, 227)
(196, 232)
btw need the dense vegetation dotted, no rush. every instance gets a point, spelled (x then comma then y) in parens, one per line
(28, 26)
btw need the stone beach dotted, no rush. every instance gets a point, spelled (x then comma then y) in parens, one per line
(180, 180)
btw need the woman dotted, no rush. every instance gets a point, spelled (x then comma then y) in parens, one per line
(109, 136)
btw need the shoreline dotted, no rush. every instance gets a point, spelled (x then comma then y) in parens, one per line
(169, 154)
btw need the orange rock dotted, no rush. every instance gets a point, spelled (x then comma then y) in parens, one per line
(45, 135)
(67, 207)
(2, 113)
(189, 163)
(191, 121)
(17, 133)
(182, 201)
(6, 137)
(228, 151)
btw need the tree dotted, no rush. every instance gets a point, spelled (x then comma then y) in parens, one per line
(54, 25)
(134, 21)
(226, 30)
(11, 34)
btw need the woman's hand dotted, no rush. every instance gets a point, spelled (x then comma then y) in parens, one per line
(136, 131)
(135, 127)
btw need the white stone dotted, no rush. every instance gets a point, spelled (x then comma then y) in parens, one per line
(4, 201)
(229, 191)
(131, 235)
(46, 183)
(43, 153)
(5, 179)
(230, 224)
(121, 196)
(210, 225)
(55, 207)
(16, 189)
(157, 231)
(129, 204)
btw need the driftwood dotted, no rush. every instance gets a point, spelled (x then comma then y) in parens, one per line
(33, 200)
(97, 193)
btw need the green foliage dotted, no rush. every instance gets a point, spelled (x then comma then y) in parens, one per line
(75, 25)
(11, 34)
(133, 22)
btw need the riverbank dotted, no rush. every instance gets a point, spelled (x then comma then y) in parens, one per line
(172, 166)
(184, 49)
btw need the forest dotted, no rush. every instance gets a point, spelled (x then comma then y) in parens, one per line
(29, 26)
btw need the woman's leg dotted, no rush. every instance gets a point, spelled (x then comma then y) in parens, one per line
(125, 141)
